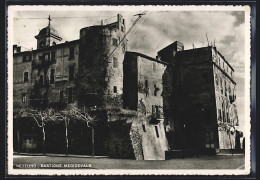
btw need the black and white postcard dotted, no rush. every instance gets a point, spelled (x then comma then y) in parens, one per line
(128, 90)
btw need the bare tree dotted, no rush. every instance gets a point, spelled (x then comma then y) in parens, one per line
(41, 117)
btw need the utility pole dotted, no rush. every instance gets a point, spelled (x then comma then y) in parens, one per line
(139, 17)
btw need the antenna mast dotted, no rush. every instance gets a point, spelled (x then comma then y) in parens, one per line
(207, 38)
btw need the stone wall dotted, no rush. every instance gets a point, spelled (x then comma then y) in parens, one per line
(147, 144)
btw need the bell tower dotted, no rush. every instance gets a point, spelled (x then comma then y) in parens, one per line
(47, 36)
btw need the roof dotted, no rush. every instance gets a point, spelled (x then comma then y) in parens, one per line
(47, 31)
(148, 57)
(198, 50)
(67, 43)
(169, 46)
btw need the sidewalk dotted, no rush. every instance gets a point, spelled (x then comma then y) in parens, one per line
(203, 162)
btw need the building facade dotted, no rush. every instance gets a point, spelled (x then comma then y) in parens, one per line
(202, 97)
(96, 71)
(143, 93)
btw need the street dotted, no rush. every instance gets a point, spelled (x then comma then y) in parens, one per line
(87, 162)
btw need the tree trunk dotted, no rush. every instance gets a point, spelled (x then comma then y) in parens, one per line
(67, 140)
(43, 140)
(18, 141)
(93, 142)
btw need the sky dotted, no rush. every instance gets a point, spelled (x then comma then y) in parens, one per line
(154, 31)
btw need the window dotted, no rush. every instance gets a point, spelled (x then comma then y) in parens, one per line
(225, 88)
(224, 118)
(115, 63)
(221, 86)
(54, 43)
(46, 79)
(143, 125)
(115, 42)
(26, 58)
(26, 77)
(156, 89)
(61, 96)
(47, 57)
(156, 131)
(71, 56)
(70, 95)
(154, 66)
(146, 88)
(157, 111)
(24, 98)
(41, 44)
(216, 80)
(52, 80)
(53, 54)
(146, 84)
(71, 73)
(115, 89)
(41, 80)
(219, 113)
(205, 78)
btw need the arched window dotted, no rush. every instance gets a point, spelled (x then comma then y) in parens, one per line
(54, 43)
(41, 44)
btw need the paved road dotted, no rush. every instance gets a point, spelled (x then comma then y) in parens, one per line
(203, 162)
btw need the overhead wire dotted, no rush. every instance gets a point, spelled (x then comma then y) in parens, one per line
(63, 17)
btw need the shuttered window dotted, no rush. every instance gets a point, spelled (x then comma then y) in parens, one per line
(69, 95)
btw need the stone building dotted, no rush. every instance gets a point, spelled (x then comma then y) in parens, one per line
(96, 71)
(143, 93)
(202, 96)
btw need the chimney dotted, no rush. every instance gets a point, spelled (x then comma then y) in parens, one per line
(16, 49)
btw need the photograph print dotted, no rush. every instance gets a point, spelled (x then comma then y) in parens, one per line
(129, 90)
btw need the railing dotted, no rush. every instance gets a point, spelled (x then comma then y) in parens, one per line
(42, 63)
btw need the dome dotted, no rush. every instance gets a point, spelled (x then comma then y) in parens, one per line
(48, 31)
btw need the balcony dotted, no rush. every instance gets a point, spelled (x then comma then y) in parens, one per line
(43, 62)
(157, 115)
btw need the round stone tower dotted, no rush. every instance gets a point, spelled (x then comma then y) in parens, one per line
(102, 50)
